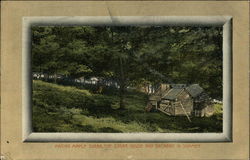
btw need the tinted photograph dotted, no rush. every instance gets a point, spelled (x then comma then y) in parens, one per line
(127, 79)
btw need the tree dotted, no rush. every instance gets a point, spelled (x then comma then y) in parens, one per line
(132, 55)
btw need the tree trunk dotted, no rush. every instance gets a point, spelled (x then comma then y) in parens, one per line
(122, 78)
(46, 76)
(55, 77)
(122, 84)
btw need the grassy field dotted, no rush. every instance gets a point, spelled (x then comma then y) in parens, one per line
(58, 108)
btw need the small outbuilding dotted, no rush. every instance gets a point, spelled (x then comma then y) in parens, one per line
(180, 99)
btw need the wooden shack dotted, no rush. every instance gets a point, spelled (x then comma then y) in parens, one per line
(180, 99)
(177, 101)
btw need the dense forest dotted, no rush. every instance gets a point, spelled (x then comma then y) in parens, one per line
(131, 56)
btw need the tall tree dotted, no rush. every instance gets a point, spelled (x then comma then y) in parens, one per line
(132, 55)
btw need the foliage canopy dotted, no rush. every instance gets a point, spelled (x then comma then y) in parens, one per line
(132, 55)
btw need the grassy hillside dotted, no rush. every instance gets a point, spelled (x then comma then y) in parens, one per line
(57, 108)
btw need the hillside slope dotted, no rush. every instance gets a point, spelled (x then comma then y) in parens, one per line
(57, 108)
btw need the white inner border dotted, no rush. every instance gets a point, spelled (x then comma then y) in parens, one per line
(225, 136)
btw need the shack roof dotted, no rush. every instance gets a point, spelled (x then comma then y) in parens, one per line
(172, 93)
(194, 90)
(178, 85)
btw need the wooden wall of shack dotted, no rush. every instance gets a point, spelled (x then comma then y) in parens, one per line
(179, 106)
(187, 103)
(201, 105)
(167, 107)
